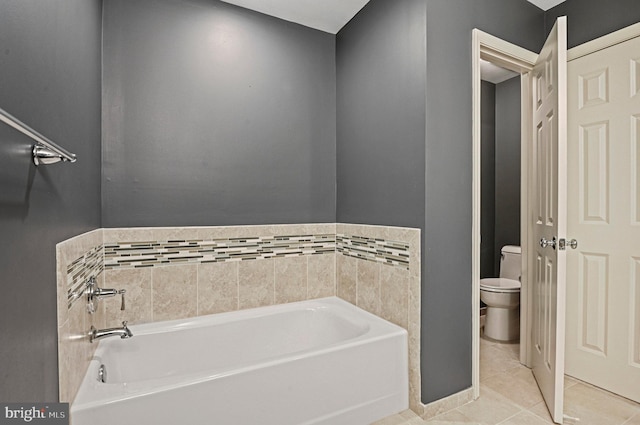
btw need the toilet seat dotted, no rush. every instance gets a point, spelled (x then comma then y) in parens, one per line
(500, 285)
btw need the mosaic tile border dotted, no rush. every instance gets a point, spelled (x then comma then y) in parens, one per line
(142, 254)
(156, 253)
(91, 263)
(374, 249)
(139, 254)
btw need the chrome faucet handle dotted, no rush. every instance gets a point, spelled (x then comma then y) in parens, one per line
(95, 294)
(90, 288)
(122, 292)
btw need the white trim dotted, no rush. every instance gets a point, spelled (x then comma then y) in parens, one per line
(503, 53)
(475, 223)
(601, 43)
(520, 60)
(526, 225)
(517, 59)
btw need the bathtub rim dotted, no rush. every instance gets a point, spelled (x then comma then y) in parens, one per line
(93, 393)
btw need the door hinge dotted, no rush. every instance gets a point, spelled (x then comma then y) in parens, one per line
(562, 244)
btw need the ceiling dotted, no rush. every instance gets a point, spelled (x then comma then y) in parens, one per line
(326, 15)
(546, 4)
(493, 73)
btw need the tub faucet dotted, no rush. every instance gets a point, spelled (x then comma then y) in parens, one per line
(122, 332)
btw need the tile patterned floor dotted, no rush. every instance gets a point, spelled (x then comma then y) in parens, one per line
(509, 395)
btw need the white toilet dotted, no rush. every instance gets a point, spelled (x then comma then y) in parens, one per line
(502, 297)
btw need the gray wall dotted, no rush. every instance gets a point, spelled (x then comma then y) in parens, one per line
(507, 163)
(388, 174)
(215, 115)
(381, 111)
(250, 101)
(590, 19)
(446, 290)
(500, 183)
(488, 180)
(50, 79)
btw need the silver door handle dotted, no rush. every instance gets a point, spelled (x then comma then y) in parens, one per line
(545, 243)
(563, 244)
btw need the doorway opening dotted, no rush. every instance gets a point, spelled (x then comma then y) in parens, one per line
(519, 61)
(500, 205)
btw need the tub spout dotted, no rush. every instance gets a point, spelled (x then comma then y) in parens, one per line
(122, 332)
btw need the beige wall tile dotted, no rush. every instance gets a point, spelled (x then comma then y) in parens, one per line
(368, 286)
(174, 291)
(221, 232)
(315, 229)
(217, 287)
(302, 229)
(394, 295)
(64, 364)
(415, 404)
(175, 233)
(390, 299)
(67, 252)
(414, 338)
(256, 283)
(290, 279)
(415, 383)
(61, 285)
(346, 278)
(74, 349)
(391, 233)
(321, 276)
(77, 348)
(138, 307)
(224, 232)
(128, 234)
(170, 292)
(78, 245)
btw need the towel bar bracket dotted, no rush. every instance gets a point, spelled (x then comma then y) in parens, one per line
(44, 155)
(44, 150)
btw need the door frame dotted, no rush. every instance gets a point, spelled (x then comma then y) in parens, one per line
(500, 52)
(518, 59)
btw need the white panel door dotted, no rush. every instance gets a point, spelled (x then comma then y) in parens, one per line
(603, 277)
(549, 218)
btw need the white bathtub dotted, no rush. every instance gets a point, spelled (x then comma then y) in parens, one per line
(312, 362)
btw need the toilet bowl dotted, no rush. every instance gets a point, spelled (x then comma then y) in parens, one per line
(502, 297)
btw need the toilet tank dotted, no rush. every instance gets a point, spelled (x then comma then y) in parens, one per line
(510, 262)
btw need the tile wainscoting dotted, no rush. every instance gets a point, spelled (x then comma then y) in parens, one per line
(377, 282)
(74, 349)
(172, 273)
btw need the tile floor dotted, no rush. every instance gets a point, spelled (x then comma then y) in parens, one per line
(509, 395)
